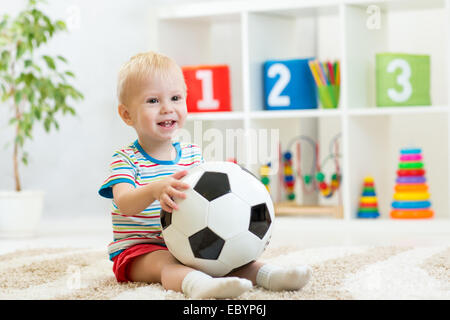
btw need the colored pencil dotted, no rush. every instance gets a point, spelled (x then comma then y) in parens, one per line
(331, 73)
(338, 72)
(314, 73)
(335, 71)
(325, 70)
(319, 71)
(323, 73)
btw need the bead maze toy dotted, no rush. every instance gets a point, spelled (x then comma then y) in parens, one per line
(264, 172)
(368, 203)
(311, 182)
(411, 197)
(315, 180)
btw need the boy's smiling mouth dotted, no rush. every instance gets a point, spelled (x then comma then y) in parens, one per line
(168, 124)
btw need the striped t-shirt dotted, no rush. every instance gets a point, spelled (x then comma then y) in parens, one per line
(133, 165)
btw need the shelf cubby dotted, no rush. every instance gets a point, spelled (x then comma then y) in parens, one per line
(393, 32)
(206, 40)
(288, 34)
(321, 130)
(374, 149)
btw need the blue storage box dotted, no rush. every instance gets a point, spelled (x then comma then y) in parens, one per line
(289, 84)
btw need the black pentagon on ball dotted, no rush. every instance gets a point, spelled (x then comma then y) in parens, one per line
(212, 185)
(205, 244)
(166, 218)
(259, 220)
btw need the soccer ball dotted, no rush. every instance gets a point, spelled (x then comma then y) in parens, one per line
(225, 221)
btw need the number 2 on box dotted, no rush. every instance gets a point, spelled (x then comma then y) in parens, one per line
(275, 99)
(402, 80)
(208, 101)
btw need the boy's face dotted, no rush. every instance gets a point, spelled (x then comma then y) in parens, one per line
(157, 107)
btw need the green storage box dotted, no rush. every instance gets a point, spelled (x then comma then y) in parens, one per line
(402, 80)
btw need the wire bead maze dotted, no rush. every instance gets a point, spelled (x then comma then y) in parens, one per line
(314, 180)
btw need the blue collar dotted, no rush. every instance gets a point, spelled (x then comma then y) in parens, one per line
(148, 157)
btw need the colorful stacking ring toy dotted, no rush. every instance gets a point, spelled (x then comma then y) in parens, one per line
(411, 197)
(411, 157)
(410, 165)
(411, 151)
(412, 213)
(411, 180)
(411, 204)
(368, 200)
(368, 193)
(410, 172)
(368, 205)
(409, 187)
(374, 214)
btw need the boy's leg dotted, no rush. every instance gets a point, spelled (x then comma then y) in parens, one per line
(248, 271)
(273, 277)
(160, 266)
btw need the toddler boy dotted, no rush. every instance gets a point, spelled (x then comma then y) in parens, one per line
(145, 178)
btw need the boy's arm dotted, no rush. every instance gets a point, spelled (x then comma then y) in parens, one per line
(132, 201)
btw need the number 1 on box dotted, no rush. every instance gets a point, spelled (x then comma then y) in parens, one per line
(208, 101)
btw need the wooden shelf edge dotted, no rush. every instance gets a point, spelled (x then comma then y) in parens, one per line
(292, 208)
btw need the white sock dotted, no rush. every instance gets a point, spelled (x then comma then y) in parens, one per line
(199, 285)
(276, 278)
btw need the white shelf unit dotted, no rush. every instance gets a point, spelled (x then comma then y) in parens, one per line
(243, 34)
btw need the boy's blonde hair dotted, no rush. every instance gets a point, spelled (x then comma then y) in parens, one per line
(141, 66)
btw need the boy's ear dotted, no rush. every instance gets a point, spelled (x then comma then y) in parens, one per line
(124, 114)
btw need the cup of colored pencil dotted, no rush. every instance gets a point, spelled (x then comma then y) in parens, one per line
(328, 80)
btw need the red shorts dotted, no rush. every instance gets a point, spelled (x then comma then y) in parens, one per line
(124, 259)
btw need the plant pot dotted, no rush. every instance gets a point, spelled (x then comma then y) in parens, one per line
(20, 212)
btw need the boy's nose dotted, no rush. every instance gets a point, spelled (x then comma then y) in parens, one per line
(166, 108)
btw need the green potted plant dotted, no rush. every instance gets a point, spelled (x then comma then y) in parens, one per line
(35, 88)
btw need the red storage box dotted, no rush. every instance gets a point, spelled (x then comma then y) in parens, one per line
(208, 88)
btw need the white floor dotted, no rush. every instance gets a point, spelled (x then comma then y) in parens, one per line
(296, 231)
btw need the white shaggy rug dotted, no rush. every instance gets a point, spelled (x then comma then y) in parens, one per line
(342, 272)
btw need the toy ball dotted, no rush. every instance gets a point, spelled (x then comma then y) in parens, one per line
(224, 222)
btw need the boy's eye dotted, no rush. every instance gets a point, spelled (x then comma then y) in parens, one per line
(176, 98)
(152, 100)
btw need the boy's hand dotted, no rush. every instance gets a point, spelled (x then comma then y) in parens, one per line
(169, 188)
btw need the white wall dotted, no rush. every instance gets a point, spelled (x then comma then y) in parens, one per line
(71, 164)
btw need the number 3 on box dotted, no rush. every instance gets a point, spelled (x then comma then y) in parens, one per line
(402, 80)
(208, 102)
